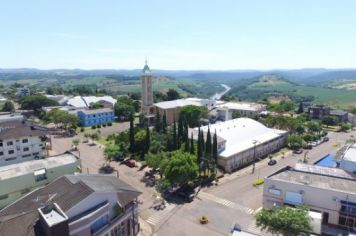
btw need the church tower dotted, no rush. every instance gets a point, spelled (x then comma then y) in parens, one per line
(146, 91)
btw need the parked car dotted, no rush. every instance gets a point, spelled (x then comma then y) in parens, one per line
(187, 192)
(130, 163)
(272, 162)
(299, 151)
(314, 144)
(326, 139)
(236, 229)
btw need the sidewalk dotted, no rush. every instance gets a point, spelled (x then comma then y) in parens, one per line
(145, 228)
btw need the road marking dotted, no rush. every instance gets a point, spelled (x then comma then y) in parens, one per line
(252, 228)
(225, 202)
(158, 216)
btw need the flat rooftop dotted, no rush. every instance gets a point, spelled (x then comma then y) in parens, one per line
(96, 111)
(242, 134)
(245, 106)
(184, 102)
(318, 177)
(27, 167)
(350, 154)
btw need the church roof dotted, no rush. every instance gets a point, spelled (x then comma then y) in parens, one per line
(146, 69)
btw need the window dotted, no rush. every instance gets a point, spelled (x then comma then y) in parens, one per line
(11, 152)
(10, 143)
(27, 155)
(40, 175)
(25, 140)
(26, 149)
(1, 144)
(1, 153)
(10, 159)
(5, 196)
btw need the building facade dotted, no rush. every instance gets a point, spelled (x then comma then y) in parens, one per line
(320, 111)
(96, 116)
(225, 111)
(330, 191)
(146, 91)
(246, 140)
(22, 178)
(75, 205)
(20, 142)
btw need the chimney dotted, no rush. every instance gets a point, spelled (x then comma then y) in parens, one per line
(53, 220)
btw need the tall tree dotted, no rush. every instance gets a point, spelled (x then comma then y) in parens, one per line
(180, 131)
(186, 142)
(174, 133)
(199, 147)
(158, 123)
(301, 108)
(215, 148)
(147, 140)
(132, 134)
(192, 149)
(164, 122)
(208, 144)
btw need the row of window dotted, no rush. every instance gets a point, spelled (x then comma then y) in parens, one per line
(25, 149)
(23, 156)
(10, 143)
(100, 115)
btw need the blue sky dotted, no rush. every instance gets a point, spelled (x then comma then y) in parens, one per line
(184, 34)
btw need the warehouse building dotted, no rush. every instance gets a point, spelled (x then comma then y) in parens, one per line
(246, 140)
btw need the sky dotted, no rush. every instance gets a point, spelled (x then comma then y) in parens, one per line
(178, 34)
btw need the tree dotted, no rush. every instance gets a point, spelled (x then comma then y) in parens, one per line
(131, 135)
(199, 147)
(314, 127)
(111, 152)
(75, 142)
(124, 107)
(180, 131)
(215, 148)
(158, 123)
(208, 145)
(301, 108)
(62, 118)
(95, 105)
(193, 114)
(345, 127)
(174, 138)
(172, 94)
(284, 220)
(181, 168)
(236, 114)
(164, 122)
(192, 148)
(36, 102)
(140, 141)
(328, 120)
(8, 107)
(295, 142)
(147, 140)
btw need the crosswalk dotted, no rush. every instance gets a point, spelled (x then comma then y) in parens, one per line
(158, 216)
(225, 202)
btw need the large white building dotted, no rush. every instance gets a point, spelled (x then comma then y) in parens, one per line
(348, 159)
(329, 191)
(20, 142)
(244, 109)
(246, 140)
(20, 178)
(86, 101)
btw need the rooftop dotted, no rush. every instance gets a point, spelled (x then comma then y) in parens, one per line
(80, 101)
(17, 129)
(242, 106)
(29, 167)
(318, 177)
(182, 102)
(350, 154)
(338, 112)
(96, 111)
(65, 192)
(242, 134)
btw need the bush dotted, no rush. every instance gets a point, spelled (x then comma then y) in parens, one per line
(258, 182)
(98, 126)
(82, 129)
(109, 124)
(104, 125)
(93, 127)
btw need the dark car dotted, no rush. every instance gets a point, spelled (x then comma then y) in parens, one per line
(130, 163)
(299, 151)
(272, 162)
(326, 139)
(186, 192)
(236, 228)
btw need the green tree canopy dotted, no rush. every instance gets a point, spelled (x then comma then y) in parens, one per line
(285, 221)
(124, 107)
(172, 94)
(295, 142)
(111, 151)
(8, 107)
(63, 118)
(192, 114)
(181, 168)
(36, 102)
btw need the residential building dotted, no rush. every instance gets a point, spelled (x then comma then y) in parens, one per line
(348, 159)
(246, 140)
(21, 178)
(172, 108)
(86, 101)
(320, 111)
(79, 205)
(96, 116)
(21, 141)
(329, 191)
(146, 91)
(8, 116)
(226, 110)
(23, 92)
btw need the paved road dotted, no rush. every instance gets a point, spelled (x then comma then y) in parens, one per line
(218, 96)
(234, 199)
